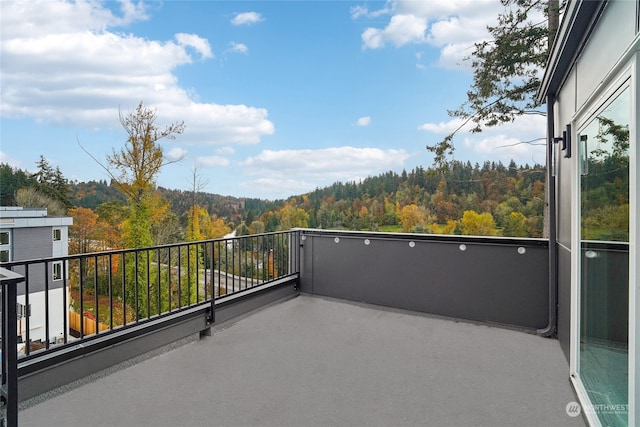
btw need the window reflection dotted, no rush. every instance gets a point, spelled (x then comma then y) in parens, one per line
(605, 174)
(604, 261)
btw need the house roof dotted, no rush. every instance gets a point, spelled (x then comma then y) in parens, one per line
(19, 217)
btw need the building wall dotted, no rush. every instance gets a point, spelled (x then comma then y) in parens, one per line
(32, 243)
(58, 317)
(32, 238)
(583, 85)
(618, 23)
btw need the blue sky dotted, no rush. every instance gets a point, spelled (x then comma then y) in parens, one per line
(278, 97)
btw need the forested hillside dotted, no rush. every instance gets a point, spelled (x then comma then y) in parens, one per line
(488, 199)
(492, 199)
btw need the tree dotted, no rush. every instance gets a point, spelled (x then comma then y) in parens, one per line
(52, 182)
(476, 224)
(84, 230)
(30, 197)
(506, 70)
(11, 180)
(197, 183)
(218, 228)
(139, 162)
(292, 217)
(411, 216)
(256, 227)
(137, 166)
(515, 225)
(111, 216)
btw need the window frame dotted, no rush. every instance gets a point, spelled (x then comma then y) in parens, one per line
(57, 265)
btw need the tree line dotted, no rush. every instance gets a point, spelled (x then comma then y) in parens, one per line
(131, 211)
(489, 199)
(466, 198)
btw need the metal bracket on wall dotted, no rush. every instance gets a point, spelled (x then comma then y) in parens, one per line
(566, 141)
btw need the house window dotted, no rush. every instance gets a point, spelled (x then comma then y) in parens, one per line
(4, 238)
(57, 234)
(4, 255)
(57, 270)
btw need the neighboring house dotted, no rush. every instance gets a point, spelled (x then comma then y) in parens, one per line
(592, 89)
(27, 234)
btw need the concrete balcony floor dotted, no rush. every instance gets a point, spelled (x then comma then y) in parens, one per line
(310, 361)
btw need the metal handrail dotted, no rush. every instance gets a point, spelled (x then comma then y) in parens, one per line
(9, 389)
(61, 302)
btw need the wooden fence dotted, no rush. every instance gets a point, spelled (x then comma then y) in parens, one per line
(89, 324)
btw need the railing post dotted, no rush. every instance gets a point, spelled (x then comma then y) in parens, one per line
(211, 317)
(9, 391)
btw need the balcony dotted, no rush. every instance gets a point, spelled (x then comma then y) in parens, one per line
(306, 327)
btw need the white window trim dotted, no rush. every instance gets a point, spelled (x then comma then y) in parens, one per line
(53, 271)
(53, 234)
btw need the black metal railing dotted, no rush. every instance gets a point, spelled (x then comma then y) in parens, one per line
(62, 301)
(9, 388)
(74, 297)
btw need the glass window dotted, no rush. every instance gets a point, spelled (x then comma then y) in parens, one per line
(604, 259)
(57, 270)
(57, 234)
(4, 255)
(4, 238)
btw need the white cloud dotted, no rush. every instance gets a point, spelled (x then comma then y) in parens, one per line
(280, 187)
(5, 158)
(521, 140)
(335, 162)
(35, 18)
(238, 47)
(225, 151)
(358, 11)
(505, 148)
(442, 127)
(176, 153)
(77, 72)
(296, 171)
(247, 18)
(402, 29)
(198, 43)
(452, 26)
(212, 161)
(364, 121)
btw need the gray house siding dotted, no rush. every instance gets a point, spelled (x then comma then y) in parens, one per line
(34, 243)
(618, 22)
(28, 243)
(581, 83)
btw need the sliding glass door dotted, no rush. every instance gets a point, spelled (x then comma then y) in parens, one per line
(603, 352)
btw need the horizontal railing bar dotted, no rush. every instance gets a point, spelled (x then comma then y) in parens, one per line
(146, 248)
(436, 238)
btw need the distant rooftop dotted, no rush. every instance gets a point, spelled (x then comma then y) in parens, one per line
(20, 212)
(312, 361)
(18, 216)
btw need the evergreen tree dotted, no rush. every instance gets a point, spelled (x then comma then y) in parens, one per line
(506, 69)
